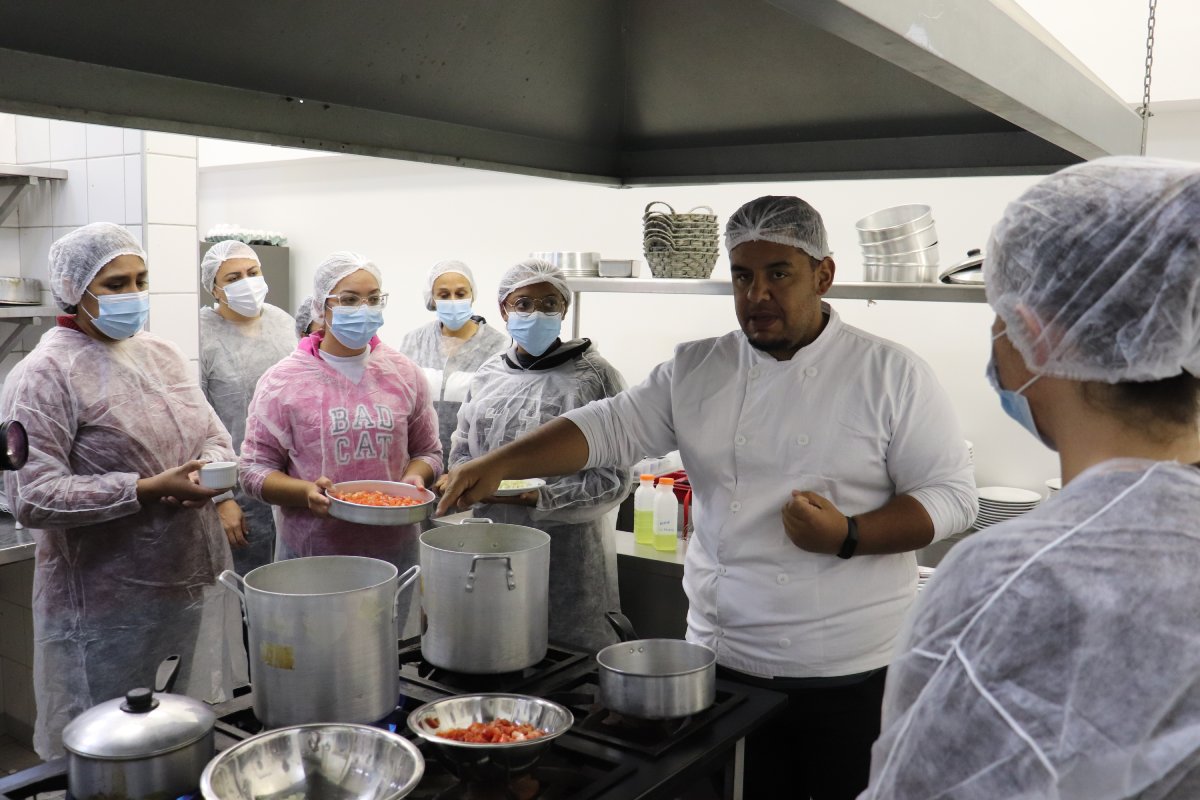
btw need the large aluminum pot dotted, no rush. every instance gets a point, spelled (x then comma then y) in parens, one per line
(323, 633)
(655, 678)
(485, 590)
(143, 746)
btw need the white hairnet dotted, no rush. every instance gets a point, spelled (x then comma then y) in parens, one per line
(440, 269)
(304, 316)
(77, 257)
(529, 272)
(1105, 258)
(337, 266)
(782, 220)
(218, 254)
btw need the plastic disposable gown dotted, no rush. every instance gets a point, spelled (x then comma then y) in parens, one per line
(1057, 655)
(308, 420)
(506, 402)
(448, 364)
(233, 356)
(117, 586)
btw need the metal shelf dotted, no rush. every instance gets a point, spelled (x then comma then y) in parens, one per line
(20, 177)
(23, 316)
(921, 292)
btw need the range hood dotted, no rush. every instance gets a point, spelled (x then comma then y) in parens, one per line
(620, 92)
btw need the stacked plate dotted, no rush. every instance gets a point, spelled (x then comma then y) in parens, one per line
(899, 245)
(1000, 503)
(924, 575)
(573, 264)
(1053, 485)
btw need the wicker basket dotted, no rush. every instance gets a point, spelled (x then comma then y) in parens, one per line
(680, 245)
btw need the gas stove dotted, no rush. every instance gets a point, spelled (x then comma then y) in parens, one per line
(603, 757)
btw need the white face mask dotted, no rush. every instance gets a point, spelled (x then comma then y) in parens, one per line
(246, 296)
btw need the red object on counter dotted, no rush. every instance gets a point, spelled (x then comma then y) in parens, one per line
(683, 493)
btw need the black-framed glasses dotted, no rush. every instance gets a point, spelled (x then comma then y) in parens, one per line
(550, 304)
(354, 300)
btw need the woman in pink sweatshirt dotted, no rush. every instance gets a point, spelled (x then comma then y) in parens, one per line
(343, 406)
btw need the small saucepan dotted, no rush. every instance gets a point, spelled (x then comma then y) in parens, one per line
(655, 678)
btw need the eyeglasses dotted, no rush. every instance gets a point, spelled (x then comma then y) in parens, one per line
(354, 301)
(551, 304)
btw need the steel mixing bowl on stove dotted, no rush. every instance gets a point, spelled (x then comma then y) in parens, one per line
(487, 762)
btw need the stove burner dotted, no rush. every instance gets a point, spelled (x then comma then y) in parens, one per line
(415, 668)
(569, 771)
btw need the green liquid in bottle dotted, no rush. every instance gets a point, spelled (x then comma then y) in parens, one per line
(643, 526)
(665, 541)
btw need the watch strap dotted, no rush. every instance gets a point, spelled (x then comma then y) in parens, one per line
(850, 544)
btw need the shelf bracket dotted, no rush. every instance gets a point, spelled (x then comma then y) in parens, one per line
(7, 345)
(19, 184)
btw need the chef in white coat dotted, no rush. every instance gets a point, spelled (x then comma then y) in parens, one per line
(820, 457)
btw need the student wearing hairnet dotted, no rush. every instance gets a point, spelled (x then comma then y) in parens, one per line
(450, 348)
(820, 458)
(1056, 655)
(539, 378)
(129, 546)
(305, 324)
(343, 406)
(240, 337)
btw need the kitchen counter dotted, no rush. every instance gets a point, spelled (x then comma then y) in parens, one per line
(15, 544)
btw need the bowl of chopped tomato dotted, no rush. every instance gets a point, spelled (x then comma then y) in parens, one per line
(380, 502)
(487, 738)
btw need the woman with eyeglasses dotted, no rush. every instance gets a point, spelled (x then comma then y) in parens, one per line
(128, 545)
(534, 381)
(342, 407)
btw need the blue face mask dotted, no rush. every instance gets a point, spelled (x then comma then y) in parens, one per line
(534, 332)
(454, 313)
(354, 327)
(1015, 404)
(122, 315)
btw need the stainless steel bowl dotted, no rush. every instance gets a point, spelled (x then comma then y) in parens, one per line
(876, 273)
(894, 222)
(381, 515)
(579, 262)
(316, 762)
(20, 291)
(916, 240)
(489, 762)
(929, 257)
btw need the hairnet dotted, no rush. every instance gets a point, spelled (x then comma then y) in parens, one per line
(333, 269)
(218, 254)
(304, 316)
(782, 220)
(1105, 258)
(529, 272)
(440, 269)
(77, 257)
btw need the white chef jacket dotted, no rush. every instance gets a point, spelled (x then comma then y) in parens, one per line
(852, 417)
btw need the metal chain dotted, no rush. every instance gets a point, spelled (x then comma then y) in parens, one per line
(1144, 110)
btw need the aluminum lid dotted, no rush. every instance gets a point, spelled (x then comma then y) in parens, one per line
(139, 725)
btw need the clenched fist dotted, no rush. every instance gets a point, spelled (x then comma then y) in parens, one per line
(813, 523)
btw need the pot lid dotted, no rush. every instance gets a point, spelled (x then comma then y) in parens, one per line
(972, 263)
(139, 725)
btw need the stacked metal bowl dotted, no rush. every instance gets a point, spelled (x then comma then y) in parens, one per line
(573, 264)
(899, 245)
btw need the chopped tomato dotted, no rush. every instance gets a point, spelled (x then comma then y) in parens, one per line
(500, 731)
(375, 499)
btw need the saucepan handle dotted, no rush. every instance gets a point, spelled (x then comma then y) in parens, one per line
(234, 582)
(474, 521)
(168, 671)
(512, 581)
(621, 624)
(406, 578)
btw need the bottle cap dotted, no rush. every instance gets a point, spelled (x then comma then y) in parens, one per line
(666, 481)
(647, 477)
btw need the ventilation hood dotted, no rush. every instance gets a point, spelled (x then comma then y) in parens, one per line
(620, 92)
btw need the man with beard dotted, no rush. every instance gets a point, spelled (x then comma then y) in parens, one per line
(820, 458)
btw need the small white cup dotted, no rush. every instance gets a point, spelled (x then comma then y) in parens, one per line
(219, 475)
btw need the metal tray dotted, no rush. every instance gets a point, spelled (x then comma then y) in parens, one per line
(20, 291)
(381, 515)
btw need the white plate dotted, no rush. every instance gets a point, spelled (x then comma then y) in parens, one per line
(1008, 494)
(519, 487)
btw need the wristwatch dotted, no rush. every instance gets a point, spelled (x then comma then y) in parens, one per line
(851, 542)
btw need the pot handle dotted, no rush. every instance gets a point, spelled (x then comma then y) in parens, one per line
(234, 582)
(474, 520)
(406, 578)
(168, 671)
(512, 581)
(621, 624)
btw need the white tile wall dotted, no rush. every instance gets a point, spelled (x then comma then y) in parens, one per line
(36, 207)
(133, 141)
(35, 253)
(33, 140)
(106, 189)
(133, 189)
(10, 251)
(177, 317)
(170, 144)
(170, 189)
(105, 140)
(68, 140)
(16, 583)
(173, 252)
(70, 200)
(137, 231)
(8, 139)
